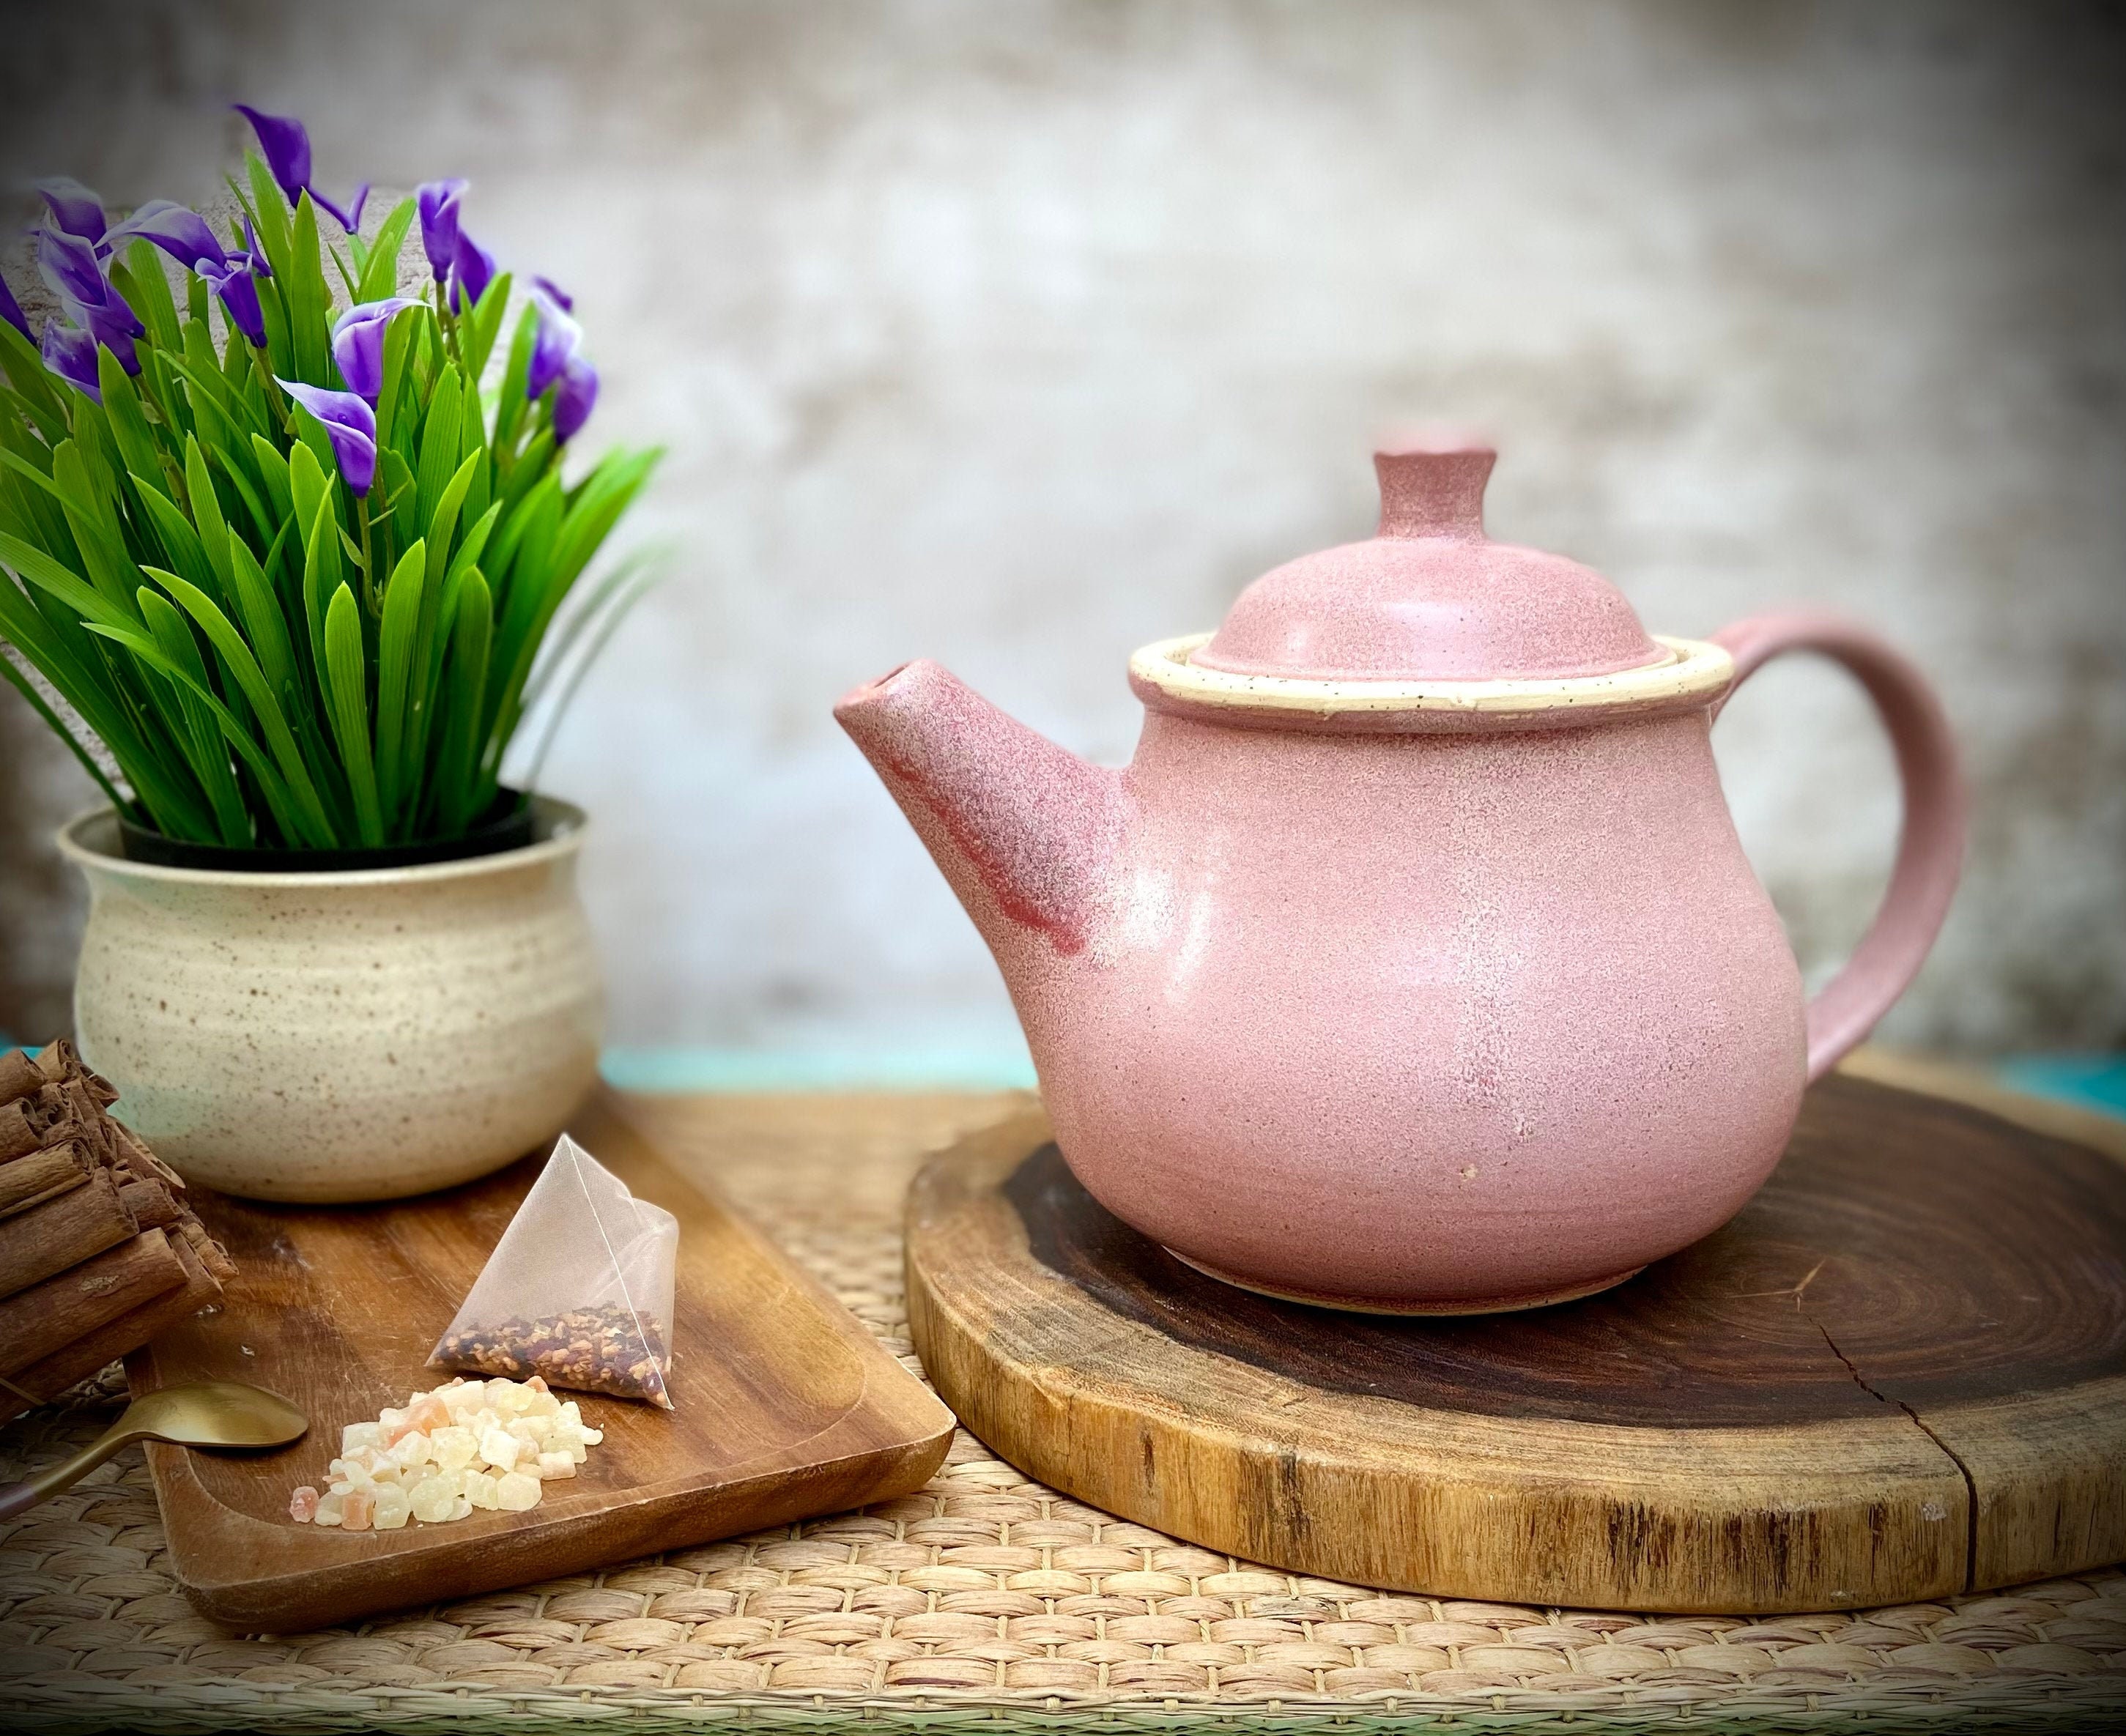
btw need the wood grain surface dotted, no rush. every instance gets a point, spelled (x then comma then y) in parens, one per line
(1900, 1372)
(786, 1405)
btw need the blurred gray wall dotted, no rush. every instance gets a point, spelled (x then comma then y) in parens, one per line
(1018, 335)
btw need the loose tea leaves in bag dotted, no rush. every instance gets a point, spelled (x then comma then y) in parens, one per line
(578, 1289)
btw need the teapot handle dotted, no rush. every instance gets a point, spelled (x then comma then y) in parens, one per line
(1931, 841)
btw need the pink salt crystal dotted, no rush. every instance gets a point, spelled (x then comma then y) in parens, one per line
(303, 1505)
(429, 1414)
(537, 1384)
(357, 1510)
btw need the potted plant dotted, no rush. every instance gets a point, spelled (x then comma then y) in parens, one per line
(285, 541)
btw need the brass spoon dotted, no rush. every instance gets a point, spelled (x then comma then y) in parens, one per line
(209, 1413)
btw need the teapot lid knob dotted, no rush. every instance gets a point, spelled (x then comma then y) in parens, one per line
(1433, 485)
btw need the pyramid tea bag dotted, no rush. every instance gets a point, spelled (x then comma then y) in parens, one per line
(578, 1289)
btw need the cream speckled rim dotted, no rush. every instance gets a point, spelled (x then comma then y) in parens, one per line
(1693, 670)
(90, 842)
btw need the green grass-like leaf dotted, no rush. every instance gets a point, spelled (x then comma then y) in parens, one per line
(483, 323)
(347, 677)
(140, 280)
(380, 272)
(322, 576)
(96, 531)
(209, 757)
(274, 471)
(180, 540)
(464, 681)
(268, 208)
(395, 658)
(439, 444)
(127, 421)
(25, 369)
(443, 524)
(308, 299)
(213, 529)
(399, 337)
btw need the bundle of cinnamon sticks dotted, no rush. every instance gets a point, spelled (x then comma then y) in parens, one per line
(98, 1251)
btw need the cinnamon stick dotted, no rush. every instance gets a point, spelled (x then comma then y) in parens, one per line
(19, 1075)
(71, 1105)
(210, 1253)
(45, 1175)
(35, 1245)
(47, 1317)
(58, 1116)
(61, 1062)
(144, 1162)
(148, 1204)
(42, 1109)
(18, 1132)
(87, 1354)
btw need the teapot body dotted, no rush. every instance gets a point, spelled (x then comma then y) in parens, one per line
(1422, 1021)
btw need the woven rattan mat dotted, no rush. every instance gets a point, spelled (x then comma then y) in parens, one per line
(986, 1601)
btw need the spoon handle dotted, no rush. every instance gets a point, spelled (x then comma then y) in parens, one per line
(15, 1498)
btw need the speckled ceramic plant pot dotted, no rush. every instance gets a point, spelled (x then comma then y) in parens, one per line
(354, 1035)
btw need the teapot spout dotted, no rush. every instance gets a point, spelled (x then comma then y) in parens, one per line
(1028, 834)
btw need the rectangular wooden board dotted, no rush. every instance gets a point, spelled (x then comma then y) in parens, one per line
(786, 1404)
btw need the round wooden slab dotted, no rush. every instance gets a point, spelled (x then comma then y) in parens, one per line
(1900, 1373)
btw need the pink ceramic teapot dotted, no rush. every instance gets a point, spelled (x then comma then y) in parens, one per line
(1413, 964)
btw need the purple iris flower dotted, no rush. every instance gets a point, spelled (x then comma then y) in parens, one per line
(472, 269)
(70, 352)
(182, 234)
(259, 268)
(237, 283)
(350, 424)
(69, 265)
(357, 344)
(75, 211)
(11, 310)
(554, 345)
(557, 361)
(285, 145)
(573, 398)
(437, 202)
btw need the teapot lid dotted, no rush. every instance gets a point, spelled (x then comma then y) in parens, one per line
(1430, 597)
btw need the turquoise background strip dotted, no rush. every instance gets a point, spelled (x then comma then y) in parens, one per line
(2094, 1082)
(2089, 1081)
(925, 1067)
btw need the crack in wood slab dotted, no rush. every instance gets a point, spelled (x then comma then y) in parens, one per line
(1919, 1422)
